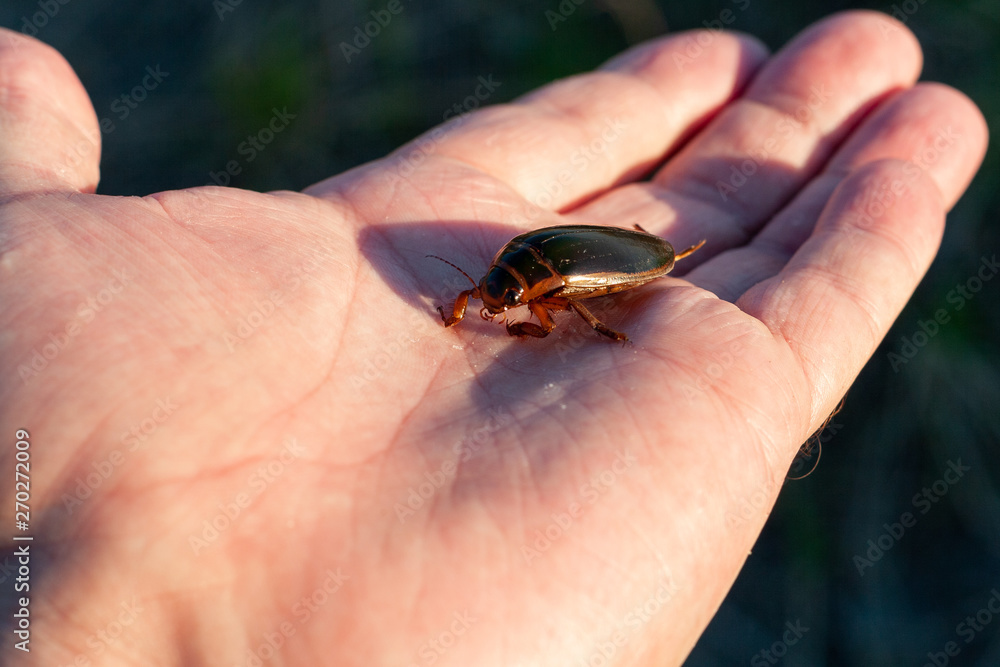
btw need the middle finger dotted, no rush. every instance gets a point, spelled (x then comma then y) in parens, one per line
(766, 145)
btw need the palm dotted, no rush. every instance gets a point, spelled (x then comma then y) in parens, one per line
(474, 495)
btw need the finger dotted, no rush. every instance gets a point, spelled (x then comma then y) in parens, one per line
(49, 137)
(762, 148)
(936, 128)
(836, 298)
(576, 137)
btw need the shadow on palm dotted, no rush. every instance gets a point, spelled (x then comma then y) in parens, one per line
(574, 360)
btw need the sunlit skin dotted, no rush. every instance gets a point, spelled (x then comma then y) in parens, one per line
(326, 472)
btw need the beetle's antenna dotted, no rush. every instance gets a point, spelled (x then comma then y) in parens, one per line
(455, 267)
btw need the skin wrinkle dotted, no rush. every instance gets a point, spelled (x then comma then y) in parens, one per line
(785, 349)
(806, 208)
(461, 465)
(783, 106)
(855, 289)
(44, 176)
(841, 169)
(328, 374)
(718, 214)
(538, 461)
(771, 250)
(769, 444)
(179, 257)
(651, 57)
(890, 234)
(497, 110)
(739, 411)
(432, 190)
(181, 261)
(813, 371)
(852, 286)
(91, 437)
(561, 102)
(633, 77)
(822, 142)
(586, 135)
(665, 105)
(15, 93)
(584, 458)
(702, 185)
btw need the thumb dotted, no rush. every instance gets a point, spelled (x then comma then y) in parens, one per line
(49, 136)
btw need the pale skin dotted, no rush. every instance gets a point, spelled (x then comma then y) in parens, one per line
(175, 391)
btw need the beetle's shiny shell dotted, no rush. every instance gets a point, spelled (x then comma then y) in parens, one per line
(582, 254)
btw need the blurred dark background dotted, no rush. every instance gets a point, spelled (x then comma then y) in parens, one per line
(815, 591)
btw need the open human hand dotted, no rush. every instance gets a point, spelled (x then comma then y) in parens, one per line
(252, 441)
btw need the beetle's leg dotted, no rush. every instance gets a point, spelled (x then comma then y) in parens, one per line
(598, 326)
(637, 226)
(682, 255)
(521, 329)
(458, 311)
(530, 328)
(553, 303)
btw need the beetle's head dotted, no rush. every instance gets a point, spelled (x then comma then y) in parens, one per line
(499, 291)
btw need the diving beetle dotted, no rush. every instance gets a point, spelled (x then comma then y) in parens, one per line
(553, 268)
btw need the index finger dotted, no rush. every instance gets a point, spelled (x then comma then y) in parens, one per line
(579, 136)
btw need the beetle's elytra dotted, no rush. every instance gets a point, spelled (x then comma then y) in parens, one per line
(553, 268)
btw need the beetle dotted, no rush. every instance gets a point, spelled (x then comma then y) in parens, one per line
(554, 268)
